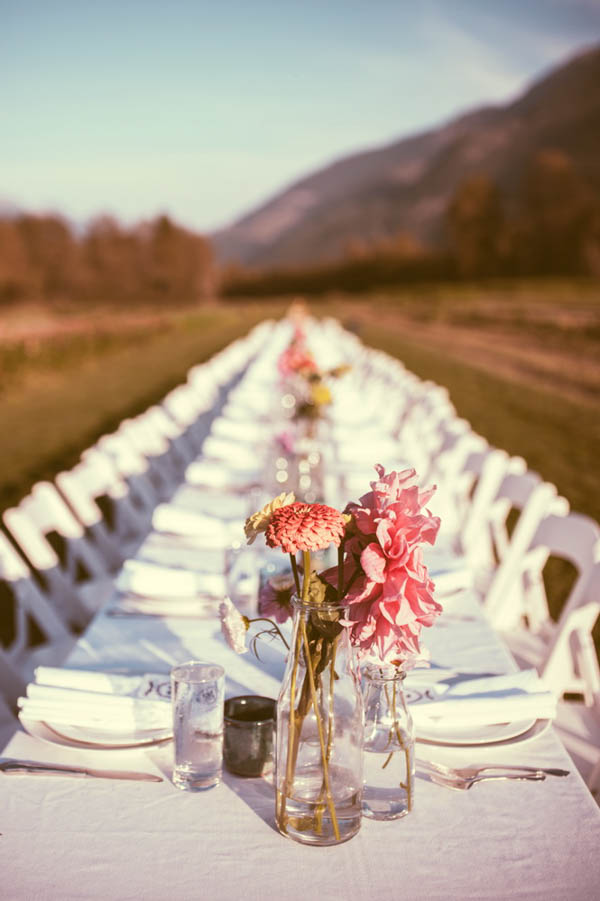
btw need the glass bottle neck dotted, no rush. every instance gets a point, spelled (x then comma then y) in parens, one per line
(384, 673)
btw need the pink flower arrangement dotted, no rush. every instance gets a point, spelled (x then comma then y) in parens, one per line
(389, 593)
(380, 576)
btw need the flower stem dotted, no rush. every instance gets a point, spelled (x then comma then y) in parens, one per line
(293, 739)
(265, 619)
(396, 730)
(295, 571)
(340, 574)
(305, 576)
(315, 703)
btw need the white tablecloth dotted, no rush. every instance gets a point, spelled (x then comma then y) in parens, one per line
(73, 839)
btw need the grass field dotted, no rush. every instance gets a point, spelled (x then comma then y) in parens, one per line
(520, 360)
(60, 392)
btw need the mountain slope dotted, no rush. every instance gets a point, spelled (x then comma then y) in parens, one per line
(407, 185)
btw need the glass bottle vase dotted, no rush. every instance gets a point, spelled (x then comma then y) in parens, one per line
(389, 743)
(318, 760)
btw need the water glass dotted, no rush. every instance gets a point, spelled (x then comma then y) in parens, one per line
(197, 693)
(241, 576)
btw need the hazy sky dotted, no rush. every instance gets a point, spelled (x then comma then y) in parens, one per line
(204, 109)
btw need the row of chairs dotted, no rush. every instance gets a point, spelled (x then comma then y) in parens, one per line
(507, 533)
(63, 543)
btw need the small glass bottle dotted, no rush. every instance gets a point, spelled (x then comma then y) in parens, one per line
(389, 743)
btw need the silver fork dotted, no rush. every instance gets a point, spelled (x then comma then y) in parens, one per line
(468, 772)
(462, 784)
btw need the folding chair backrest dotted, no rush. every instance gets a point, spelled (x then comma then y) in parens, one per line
(90, 482)
(569, 661)
(480, 480)
(48, 511)
(59, 577)
(133, 468)
(30, 608)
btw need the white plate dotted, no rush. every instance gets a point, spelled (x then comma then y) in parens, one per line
(101, 740)
(499, 733)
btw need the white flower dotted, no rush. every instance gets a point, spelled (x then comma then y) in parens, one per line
(259, 521)
(233, 626)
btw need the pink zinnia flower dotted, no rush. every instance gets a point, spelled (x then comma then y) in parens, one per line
(305, 527)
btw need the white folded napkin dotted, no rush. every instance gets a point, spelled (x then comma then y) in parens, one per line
(219, 475)
(224, 427)
(170, 550)
(210, 504)
(87, 699)
(198, 608)
(233, 454)
(139, 577)
(481, 701)
(209, 531)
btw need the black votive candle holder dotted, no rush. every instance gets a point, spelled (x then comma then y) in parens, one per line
(248, 738)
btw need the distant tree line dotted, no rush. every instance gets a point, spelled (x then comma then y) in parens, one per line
(549, 226)
(42, 257)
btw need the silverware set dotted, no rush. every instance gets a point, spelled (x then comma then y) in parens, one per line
(464, 778)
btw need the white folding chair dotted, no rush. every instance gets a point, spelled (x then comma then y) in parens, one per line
(76, 575)
(533, 499)
(155, 448)
(30, 610)
(563, 652)
(188, 410)
(118, 530)
(133, 468)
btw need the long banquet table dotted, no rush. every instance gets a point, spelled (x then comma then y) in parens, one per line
(67, 838)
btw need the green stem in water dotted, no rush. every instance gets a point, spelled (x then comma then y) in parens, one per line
(315, 703)
(293, 739)
(396, 730)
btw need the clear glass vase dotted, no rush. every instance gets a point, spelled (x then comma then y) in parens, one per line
(389, 745)
(318, 761)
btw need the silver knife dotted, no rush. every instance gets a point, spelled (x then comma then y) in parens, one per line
(20, 767)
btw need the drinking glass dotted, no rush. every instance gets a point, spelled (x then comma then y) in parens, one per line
(249, 726)
(241, 576)
(197, 692)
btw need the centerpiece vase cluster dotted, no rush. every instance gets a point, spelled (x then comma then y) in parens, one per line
(367, 610)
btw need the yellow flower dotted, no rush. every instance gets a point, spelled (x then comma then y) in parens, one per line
(320, 395)
(259, 521)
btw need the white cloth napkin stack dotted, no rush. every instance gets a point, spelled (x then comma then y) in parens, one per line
(146, 587)
(478, 701)
(97, 700)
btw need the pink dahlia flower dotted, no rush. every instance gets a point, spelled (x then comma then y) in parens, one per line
(305, 527)
(390, 597)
